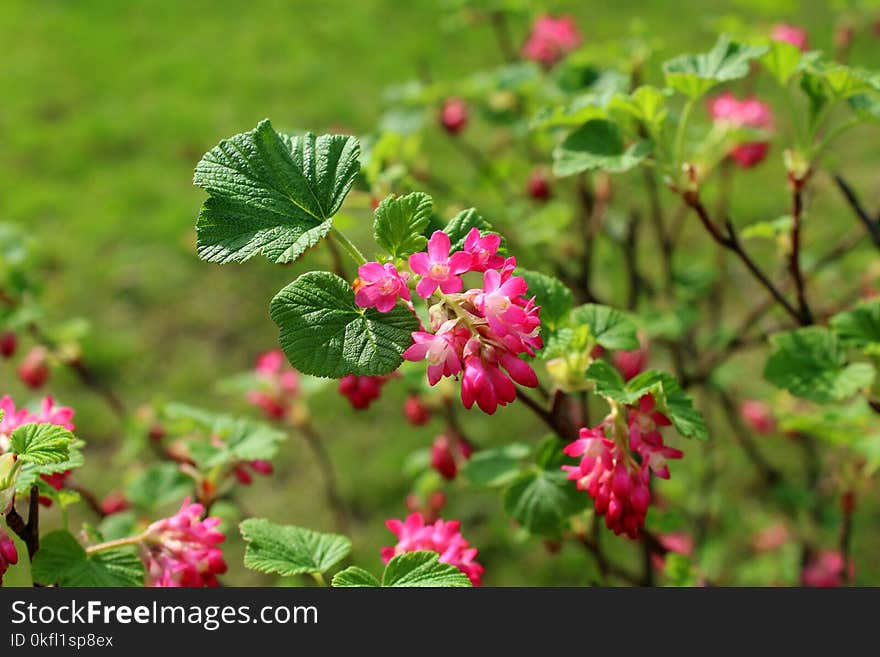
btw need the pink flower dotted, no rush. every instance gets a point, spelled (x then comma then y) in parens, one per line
(676, 542)
(448, 452)
(14, 418)
(361, 391)
(415, 535)
(415, 411)
(51, 414)
(787, 33)
(182, 550)
(34, 369)
(483, 250)
(380, 286)
(631, 363)
(442, 350)
(437, 268)
(826, 569)
(617, 482)
(758, 416)
(454, 115)
(551, 39)
(726, 109)
(278, 385)
(8, 554)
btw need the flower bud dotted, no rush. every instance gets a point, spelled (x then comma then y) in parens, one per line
(8, 344)
(34, 369)
(454, 115)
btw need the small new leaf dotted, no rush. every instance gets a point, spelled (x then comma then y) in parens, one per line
(400, 223)
(325, 334)
(860, 327)
(288, 550)
(694, 75)
(611, 328)
(354, 577)
(41, 444)
(271, 194)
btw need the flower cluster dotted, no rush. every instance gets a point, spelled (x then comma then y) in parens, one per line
(616, 471)
(414, 534)
(551, 39)
(278, 385)
(479, 332)
(448, 453)
(8, 554)
(182, 550)
(361, 391)
(728, 110)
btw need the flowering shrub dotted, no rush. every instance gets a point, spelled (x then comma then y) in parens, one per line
(542, 302)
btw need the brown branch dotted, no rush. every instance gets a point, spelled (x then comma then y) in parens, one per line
(794, 257)
(557, 418)
(848, 506)
(29, 531)
(872, 225)
(606, 567)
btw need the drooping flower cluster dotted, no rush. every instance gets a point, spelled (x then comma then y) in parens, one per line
(617, 459)
(8, 554)
(361, 391)
(480, 333)
(181, 551)
(792, 34)
(551, 39)
(445, 538)
(728, 110)
(278, 385)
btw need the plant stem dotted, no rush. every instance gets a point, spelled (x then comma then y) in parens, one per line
(29, 531)
(118, 543)
(319, 578)
(871, 224)
(794, 261)
(349, 247)
(682, 130)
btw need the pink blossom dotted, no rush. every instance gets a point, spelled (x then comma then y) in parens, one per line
(484, 250)
(437, 268)
(726, 109)
(14, 418)
(181, 551)
(278, 384)
(380, 286)
(415, 535)
(361, 391)
(52, 414)
(8, 554)
(416, 412)
(792, 34)
(114, 502)
(631, 363)
(758, 416)
(618, 483)
(826, 569)
(454, 115)
(448, 453)
(441, 349)
(676, 542)
(551, 39)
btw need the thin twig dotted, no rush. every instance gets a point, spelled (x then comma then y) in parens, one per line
(794, 257)
(871, 224)
(29, 531)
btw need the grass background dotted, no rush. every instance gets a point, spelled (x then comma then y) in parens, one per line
(106, 107)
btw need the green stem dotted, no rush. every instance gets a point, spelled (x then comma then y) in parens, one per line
(110, 545)
(682, 129)
(319, 578)
(349, 247)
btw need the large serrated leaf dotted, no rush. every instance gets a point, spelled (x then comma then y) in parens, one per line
(860, 327)
(354, 577)
(325, 334)
(541, 500)
(41, 444)
(694, 75)
(31, 471)
(290, 550)
(422, 569)
(62, 560)
(271, 194)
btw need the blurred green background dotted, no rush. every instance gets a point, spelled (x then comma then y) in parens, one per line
(107, 106)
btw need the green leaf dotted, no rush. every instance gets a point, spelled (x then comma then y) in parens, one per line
(608, 381)
(554, 298)
(597, 144)
(325, 334)
(694, 75)
(611, 328)
(62, 560)
(271, 194)
(782, 60)
(422, 569)
(158, 485)
(582, 109)
(289, 550)
(355, 577)
(461, 224)
(41, 444)
(541, 500)
(866, 106)
(495, 467)
(768, 229)
(400, 223)
(646, 104)
(30, 471)
(860, 327)
(671, 400)
(810, 363)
